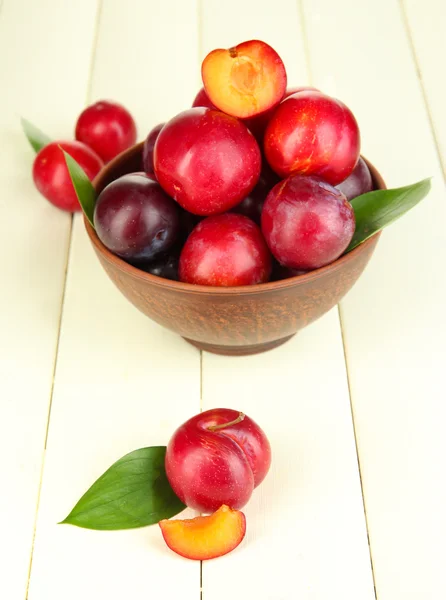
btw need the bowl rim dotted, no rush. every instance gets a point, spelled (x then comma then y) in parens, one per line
(191, 288)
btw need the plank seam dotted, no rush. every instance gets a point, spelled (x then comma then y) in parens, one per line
(300, 8)
(59, 329)
(87, 100)
(62, 304)
(39, 491)
(413, 52)
(352, 412)
(200, 34)
(310, 78)
(94, 51)
(200, 57)
(56, 353)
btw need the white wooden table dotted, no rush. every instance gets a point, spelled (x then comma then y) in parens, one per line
(354, 507)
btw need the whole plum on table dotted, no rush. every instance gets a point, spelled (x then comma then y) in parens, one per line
(217, 457)
(51, 175)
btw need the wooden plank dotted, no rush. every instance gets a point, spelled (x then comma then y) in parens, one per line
(155, 71)
(425, 24)
(122, 381)
(306, 534)
(394, 325)
(43, 76)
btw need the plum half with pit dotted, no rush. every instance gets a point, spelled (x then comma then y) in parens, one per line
(246, 80)
(307, 223)
(206, 160)
(225, 250)
(136, 219)
(358, 182)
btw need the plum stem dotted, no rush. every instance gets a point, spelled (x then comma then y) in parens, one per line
(239, 419)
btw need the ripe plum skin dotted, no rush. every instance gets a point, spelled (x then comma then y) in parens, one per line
(252, 205)
(106, 127)
(147, 152)
(225, 250)
(202, 99)
(206, 160)
(135, 219)
(358, 182)
(259, 123)
(307, 223)
(312, 134)
(165, 267)
(51, 175)
(256, 125)
(207, 468)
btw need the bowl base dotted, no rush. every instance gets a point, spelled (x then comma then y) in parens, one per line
(239, 350)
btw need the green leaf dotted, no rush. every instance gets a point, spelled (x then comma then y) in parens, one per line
(134, 492)
(85, 192)
(36, 138)
(376, 210)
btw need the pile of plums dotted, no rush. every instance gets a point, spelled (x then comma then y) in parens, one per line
(250, 184)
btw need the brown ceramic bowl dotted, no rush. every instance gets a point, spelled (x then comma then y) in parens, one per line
(238, 320)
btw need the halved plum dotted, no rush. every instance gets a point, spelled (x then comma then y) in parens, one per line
(207, 537)
(246, 80)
